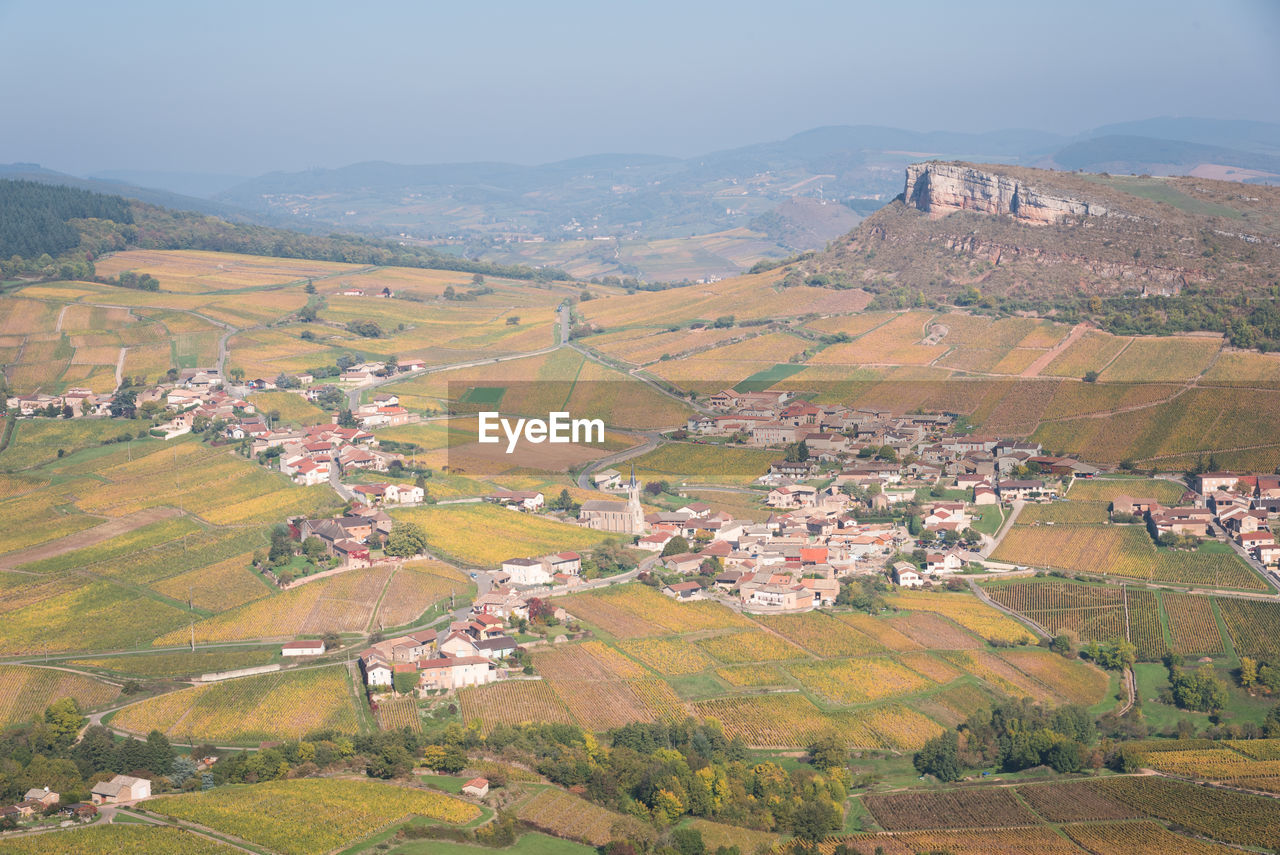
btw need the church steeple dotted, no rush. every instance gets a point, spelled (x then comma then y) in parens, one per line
(635, 513)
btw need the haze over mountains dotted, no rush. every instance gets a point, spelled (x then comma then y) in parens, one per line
(665, 218)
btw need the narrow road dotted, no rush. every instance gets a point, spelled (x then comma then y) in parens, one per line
(88, 537)
(1131, 687)
(1020, 618)
(1009, 520)
(1042, 361)
(354, 395)
(651, 439)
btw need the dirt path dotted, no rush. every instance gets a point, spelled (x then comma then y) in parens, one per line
(88, 537)
(1042, 361)
(120, 367)
(1131, 686)
(58, 326)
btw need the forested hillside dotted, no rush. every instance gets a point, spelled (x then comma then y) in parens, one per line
(34, 218)
(73, 227)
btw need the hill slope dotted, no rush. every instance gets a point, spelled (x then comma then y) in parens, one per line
(1016, 231)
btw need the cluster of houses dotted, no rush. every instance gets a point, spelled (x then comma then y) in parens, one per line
(1243, 506)
(469, 654)
(346, 536)
(76, 403)
(384, 411)
(791, 561)
(558, 568)
(367, 372)
(39, 801)
(314, 455)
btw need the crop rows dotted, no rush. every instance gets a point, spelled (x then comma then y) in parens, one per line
(512, 702)
(1213, 764)
(880, 630)
(1075, 681)
(342, 603)
(397, 713)
(931, 630)
(856, 681)
(1121, 551)
(25, 692)
(1252, 627)
(103, 839)
(668, 655)
(971, 613)
(1222, 815)
(752, 676)
(1192, 625)
(1144, 624)
(986, 807)
(1074, 801)
(566, 815)
(310, 816)
(750, 646)
(790, 720)
(1025, 841)
(283, 705)
(1138, 838)
(821, 634)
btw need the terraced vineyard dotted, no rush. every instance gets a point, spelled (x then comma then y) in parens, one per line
(1124, 551)
(249, 710)
(25, 691)
(310, 816)
(987, 807)
(566, 815)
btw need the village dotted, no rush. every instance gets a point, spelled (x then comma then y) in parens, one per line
(856, 492)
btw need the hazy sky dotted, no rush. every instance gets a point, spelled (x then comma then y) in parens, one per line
(247, 87)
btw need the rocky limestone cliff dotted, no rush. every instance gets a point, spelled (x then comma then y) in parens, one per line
(939, 189)
(1041, 235)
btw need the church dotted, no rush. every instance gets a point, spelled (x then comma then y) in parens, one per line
(621, 517)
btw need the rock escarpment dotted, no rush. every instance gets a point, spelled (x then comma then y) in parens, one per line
(939, 189)
(1041, 236)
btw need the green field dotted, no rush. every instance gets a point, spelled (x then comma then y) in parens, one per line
(762, 380)
(483, 395)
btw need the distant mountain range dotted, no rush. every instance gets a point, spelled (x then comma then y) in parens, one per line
(660, 217)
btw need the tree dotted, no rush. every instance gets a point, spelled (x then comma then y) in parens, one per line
(63, 720)
(940, 757)
(828, 752)
(406, 539)
(675, 546)
(184, 768)
(688, 841)
(541, 611)
(346, 419)
(314, 548)
(159, 753)
(815, 819)
(797, 452)
(1248, 672)
(405, 682)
